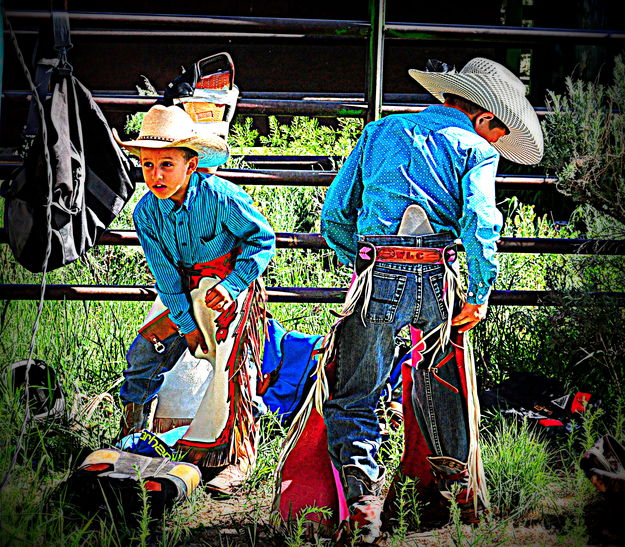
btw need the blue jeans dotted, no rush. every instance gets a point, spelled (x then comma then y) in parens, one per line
(146, 368)
(403, 294)
(144, 376)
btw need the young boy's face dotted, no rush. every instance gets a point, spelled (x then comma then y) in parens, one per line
(167, 172)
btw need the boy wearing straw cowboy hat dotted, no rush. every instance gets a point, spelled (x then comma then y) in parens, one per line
(207, 246)
(438, 167)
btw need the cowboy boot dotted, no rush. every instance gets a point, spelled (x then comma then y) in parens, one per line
(451, 472)
(136, 417)
(364, 524)
(228, 479)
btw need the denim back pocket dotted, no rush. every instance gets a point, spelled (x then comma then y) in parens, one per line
(387, 292)
(436, 282)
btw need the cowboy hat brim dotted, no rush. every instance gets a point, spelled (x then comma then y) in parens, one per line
(524, 144)
(212, 149)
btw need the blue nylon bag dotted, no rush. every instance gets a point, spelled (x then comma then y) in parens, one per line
(288, 359)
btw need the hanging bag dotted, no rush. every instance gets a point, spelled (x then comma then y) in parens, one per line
(75, 179)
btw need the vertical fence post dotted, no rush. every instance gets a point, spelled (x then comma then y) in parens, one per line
(375, 59)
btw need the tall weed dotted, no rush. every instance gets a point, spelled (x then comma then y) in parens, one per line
(517, 463)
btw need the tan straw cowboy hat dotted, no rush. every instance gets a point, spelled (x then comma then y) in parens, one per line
(172, 127)
(493, 87)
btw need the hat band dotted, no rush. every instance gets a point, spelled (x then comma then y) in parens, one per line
(153, 138)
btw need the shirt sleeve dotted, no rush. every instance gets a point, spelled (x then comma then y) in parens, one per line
(480, 227)
(168, 281)
(339, 215)
(257, 242)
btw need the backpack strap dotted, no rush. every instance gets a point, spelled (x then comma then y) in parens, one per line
(44, 65)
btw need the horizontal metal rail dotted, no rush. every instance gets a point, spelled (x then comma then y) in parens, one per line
(289, 240)
(258, 107)
(281, 177)
(192, 26)
(509, 35)
(90, 23)
(146, 293)
(296, 95)
(249, 107)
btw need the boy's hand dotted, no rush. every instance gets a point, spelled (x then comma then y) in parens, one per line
(218, 298)
(195, 338)
(470, 315)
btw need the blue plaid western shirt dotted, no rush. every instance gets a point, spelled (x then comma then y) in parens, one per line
(215, 217)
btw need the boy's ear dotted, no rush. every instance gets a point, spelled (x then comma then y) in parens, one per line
(484, 117)
(192, 165)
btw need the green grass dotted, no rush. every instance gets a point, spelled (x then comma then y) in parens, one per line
(517, 463)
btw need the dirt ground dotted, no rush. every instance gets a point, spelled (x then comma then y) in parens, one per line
(244, 520)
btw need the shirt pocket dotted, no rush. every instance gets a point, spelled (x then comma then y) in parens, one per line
(217, 244)
(387, 292)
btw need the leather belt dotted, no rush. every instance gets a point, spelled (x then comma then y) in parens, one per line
(220, 267)
(414, 255)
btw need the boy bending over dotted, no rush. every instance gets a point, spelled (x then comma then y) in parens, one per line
(206, 246)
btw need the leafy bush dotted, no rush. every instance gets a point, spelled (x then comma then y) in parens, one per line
(580, 340)
(512, 337)
(303, 136)
(242, 135)
(585, 142)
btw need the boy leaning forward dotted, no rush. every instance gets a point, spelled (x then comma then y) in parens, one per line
(207, 246)
(441, 165)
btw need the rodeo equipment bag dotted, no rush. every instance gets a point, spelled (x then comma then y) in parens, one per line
(111, 478)
(75, 179)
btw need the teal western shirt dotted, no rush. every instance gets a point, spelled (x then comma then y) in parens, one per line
(434, 159)
(215, 217)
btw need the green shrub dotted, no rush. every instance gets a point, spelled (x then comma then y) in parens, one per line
(585, 146)
(511, 338)
(306, 136)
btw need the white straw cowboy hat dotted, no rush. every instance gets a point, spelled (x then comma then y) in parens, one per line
(172, 127)
(493, 87)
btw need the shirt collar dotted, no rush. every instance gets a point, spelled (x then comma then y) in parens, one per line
(460, 118)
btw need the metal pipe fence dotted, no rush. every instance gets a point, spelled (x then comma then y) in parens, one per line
(369, 106)
(331, 295)
(301, 177)
(339, 108)
(313, 241)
